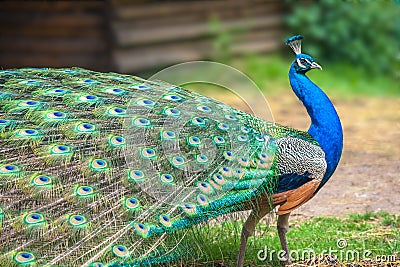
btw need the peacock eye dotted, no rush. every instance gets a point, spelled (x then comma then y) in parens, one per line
(302, 63)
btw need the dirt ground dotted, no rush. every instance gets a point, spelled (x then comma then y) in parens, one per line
(368, 175)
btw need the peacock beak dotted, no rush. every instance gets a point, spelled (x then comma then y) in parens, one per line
(315, 65)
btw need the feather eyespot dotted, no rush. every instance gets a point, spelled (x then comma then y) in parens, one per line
(115, 91)
(116, 141)
(178, 161)
(230, 117)
(174, 98)
(141, 122)
(30, 82)
(98, 164)
(223, 126)
(120, 251)
(84, 127)
(136, 175)
(84, 191)
(259, 138)
(204, 108)
(245, 129)
(242, 138)
(202, 200)
(148, 153)
(56, 115)
(205, 187)
(201, 159)
(172, 112)
(56, 92)
(116, 111)
(68, 71)
(141, 87)
(142, 229)
(226, 171)
(77, 220)
(88, 98)
(61, 149)
(28, 133)
(218, 140)
(24, 257)
(167, 178)
(6, 123)
(189, 209)
(165, 220)
(228, 155)
(131, 203)
(90, 81)
(196, 121)
(33, 219)
(168, 135)
(9, 169)
(218, 178)
(40, 180)
(194, 141)
(29, 104)
(244, 161)
(145, 103)
(263, 164)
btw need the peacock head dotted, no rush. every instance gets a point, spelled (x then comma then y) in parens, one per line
(303, 62)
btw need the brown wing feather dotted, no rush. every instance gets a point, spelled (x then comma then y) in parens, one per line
(293, 199)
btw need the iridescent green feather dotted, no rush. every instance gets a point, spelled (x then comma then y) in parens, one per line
(116, 170)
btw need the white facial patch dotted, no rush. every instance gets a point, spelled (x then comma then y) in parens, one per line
(299, 63)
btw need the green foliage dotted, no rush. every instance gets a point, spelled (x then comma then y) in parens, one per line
(364, 33)
(221, 41)
(269, 73)
(338, 79)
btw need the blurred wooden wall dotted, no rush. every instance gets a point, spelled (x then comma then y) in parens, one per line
(54, 34)
(130, 36)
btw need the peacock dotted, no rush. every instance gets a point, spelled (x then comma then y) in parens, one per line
(107, 169)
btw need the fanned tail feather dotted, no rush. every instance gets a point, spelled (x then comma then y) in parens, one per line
(104, 168)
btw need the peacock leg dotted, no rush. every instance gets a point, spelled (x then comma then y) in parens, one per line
(283, 228)
(248, 230)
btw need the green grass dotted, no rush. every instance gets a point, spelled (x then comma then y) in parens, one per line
(378, 233)
(339, 80)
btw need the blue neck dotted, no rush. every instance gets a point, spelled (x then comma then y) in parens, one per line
(325, 123)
